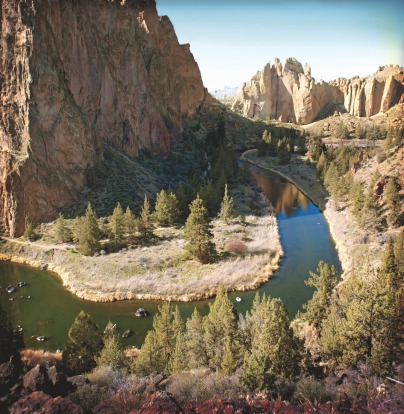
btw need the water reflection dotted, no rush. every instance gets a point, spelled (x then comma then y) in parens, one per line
(284, 196)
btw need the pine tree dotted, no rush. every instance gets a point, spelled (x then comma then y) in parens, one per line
(148, 360)
(182, 201)
(330, 178)
(145, 224)
(89, 233)
(117, 227)
(173, 207)
(357, 199)
(284, 151)
(324, 283)
(196, 349)
(63, 233)
(399, 252)
(83, 346)
(220, 325)
(198, 233)
(112, 354)
(130, 224)
(162, 209)
(178, 362)
(29, 233)
(226, 210)
(393, 201)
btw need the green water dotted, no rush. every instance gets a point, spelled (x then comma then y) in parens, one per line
(51, 310)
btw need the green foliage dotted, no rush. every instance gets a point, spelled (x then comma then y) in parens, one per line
(370, 212)
(198, 232)
(399, 252)
(29, 233)
(284, 150)
(182, 200)
(83, 346)
(166, 210)
(112, 354)
(341, 131)
(89, 233)
(324, 283)
(130, 223)
(275, 351)
(117, 227)
(357, 199)
(226, 209)
(145, 223)
(196, 350)
(63, 233)
(393, 201)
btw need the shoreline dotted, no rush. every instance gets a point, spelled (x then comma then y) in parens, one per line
(317, 197)
(160, 272)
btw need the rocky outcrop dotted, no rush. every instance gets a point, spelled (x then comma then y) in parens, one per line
(289, 93)
(285, 92)
(74, 74)
(373, 94)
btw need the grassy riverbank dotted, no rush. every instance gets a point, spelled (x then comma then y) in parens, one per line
(248, 253)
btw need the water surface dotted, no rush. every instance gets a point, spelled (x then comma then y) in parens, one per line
(51, 310)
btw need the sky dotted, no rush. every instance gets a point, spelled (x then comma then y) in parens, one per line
(232, 39)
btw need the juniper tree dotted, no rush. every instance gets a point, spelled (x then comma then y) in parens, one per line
(112, 354)
(284, 151)
(198, 232)
(324, 283)
(63, 233)
(145, 224)
(226, 209)
(89, 233)
(357, 199)
(399, 252)
(393, 201)
(162, 209)
(196, 349)
(117, 227)
(83, 346)
(182, 201)
(130, 224)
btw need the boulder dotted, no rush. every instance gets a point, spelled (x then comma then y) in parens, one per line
(37, 379)
(9, 374)
(59, 381)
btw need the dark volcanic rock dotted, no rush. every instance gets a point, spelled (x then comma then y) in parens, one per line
(37, 379)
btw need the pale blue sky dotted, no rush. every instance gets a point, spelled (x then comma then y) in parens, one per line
(232, 39)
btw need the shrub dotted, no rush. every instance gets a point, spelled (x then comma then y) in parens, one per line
(236, 246)
(313, 391)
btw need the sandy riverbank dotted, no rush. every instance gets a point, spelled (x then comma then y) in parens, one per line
(355, 246)
(160, 271)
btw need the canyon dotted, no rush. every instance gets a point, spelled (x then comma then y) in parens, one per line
(73, 76)
(289, 93)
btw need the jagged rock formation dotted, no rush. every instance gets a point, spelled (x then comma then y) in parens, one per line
(287, 93)
(290, 94)
(74, 74)
(373, 94)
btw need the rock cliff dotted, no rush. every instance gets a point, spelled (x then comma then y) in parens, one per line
(74, 74)
(289, 93)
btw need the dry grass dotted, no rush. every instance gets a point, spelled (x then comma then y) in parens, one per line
(31, 357)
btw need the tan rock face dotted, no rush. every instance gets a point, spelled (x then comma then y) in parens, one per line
(285, 92)
(290, 94)
(74, 74)
(373, 94)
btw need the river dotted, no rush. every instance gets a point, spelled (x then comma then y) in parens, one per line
(50, 311)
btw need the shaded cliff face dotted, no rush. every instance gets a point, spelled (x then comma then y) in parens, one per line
(289, 93)
(74, 74)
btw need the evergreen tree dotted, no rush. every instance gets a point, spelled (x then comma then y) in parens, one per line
(196, 349)
(182, 201)
(226, 209)
(145, 224)
(112, 354)
(173, 207)
(162, 209)
(148, 360)
(178, 362)
(220, 325)
(198, 233)
(83, 346)
(63, 233)
(357, 198)
(370, 211)
(331, 178)
(117, 227)
(130, 224)
(89, 233)
(322, 165)
(393, 201)
(284, 151)
(324, 283)
(275, 351)
(29, 233)
(399, 252)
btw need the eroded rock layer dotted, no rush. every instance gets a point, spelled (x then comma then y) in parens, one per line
(74, 74)
(289, 93)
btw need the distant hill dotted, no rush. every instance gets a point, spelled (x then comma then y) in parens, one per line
(225, 95)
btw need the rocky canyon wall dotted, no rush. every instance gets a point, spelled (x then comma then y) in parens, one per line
(75, 73)
(289, 93)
